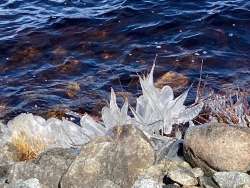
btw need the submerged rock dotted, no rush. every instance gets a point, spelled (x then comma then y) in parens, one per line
(118, 158)
(218, 147)
(232, 179)
(173, 79)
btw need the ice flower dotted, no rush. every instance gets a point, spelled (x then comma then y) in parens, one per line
(156, 109)
(113, 115)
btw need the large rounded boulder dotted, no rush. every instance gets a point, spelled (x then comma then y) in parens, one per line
(218, 147)
(118, 159)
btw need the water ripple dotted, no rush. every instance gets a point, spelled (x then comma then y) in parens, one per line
(46, 45)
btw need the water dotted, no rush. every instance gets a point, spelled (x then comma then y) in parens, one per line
(57, 54)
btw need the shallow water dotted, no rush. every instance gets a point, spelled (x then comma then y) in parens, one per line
(57, 54)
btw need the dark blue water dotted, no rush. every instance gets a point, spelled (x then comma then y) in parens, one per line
(45, 45)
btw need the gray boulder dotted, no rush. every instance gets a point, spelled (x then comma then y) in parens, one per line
(218, 147)
(207, 182)
(48, 168)
(183, 176)
(119, 158)
(232, 179)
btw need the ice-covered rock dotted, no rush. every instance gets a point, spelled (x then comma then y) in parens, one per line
(52, 132)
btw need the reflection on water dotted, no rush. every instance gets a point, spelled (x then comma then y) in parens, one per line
(59, 54)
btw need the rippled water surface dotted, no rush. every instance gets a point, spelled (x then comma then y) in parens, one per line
(57, 54)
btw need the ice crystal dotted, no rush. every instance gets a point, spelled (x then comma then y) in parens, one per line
(231, 108)
(113, 115)
(156, 109)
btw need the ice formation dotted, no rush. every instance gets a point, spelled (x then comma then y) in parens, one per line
(53, 132)
(156, 109)
(112, 115)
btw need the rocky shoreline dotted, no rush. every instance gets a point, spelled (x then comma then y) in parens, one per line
(147, 150)
(127, 158)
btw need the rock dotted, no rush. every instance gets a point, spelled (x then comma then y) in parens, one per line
(197, 172)
(4, 171)
(146, 183)
(108, 184)
(171, 186)
(48, 168)
(231, 179)
(157, 172)
(8, 154)
(207, 182)
(171, 165)
(183, 177)
(175, 80)
(218, 147)
(119, 158)
(29, 183)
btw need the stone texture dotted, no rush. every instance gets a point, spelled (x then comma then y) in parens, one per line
(29, 183)
(118, 158)
(4, 172)
(183, 176)
(197, 172)
(48, 168)
(218, 147)
(8, 154)
(231, 179)
(146, 183)
(207, 182)
(158, 171)
(172, 186)
(108, 184)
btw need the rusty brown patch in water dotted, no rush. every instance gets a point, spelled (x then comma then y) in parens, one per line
(175, 80)
(69, 66)
(26, 55)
